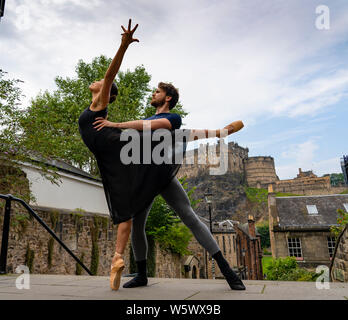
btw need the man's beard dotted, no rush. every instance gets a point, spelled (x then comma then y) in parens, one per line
(158, 104)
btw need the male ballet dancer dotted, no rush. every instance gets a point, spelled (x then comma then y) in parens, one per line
(164, 99)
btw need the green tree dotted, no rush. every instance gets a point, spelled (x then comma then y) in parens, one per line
(48, 128)
(263, 230)
(337, 179)
(10, 97)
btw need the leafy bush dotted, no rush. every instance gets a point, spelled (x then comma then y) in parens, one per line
(342, 220)
(286, 269)
(257, 195)
(277, 268)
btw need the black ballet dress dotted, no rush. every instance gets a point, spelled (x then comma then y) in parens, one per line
(129, 188)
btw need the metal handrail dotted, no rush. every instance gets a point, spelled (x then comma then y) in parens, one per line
(6, 228)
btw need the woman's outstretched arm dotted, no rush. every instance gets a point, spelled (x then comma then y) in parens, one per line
(104, 96)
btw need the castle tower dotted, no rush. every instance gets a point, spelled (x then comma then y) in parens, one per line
(260, 171)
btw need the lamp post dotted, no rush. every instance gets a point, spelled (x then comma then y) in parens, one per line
(208, 196)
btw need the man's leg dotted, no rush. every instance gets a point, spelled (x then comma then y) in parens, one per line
(176, 197)
(117, 264)
(140, 247)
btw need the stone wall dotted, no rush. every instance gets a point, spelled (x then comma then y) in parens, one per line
(304, 186)
(168, 264)
(28, 237)
(339, 263)
(31, 245)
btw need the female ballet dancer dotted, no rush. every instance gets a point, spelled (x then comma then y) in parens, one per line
(130, 189)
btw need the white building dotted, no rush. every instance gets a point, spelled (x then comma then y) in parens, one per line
(76, 190)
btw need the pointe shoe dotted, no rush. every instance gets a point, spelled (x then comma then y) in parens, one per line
(237, 125)
(115, 274)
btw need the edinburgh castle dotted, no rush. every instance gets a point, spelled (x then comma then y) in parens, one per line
(229, 196)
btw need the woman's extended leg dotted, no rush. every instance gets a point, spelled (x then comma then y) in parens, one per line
(117, 264)
(176, 197)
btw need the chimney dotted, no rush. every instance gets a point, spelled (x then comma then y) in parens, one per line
(270, 188)
(251, 226)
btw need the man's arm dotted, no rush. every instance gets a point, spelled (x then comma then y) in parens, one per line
(165, 124)
(136, 124)
(103, 99)
(233, 127)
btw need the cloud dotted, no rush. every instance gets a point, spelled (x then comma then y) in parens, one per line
(230, 60)
(304, 155)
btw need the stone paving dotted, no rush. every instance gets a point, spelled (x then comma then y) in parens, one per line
(67, 287)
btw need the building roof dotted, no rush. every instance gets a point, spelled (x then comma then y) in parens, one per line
(65, 167)
(293, 212)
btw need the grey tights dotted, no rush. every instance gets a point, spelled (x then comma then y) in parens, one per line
(176, 197)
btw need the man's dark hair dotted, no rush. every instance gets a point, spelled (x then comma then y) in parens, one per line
(113, 92)
(170, 91)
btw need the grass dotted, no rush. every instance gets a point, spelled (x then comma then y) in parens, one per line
(266, 260)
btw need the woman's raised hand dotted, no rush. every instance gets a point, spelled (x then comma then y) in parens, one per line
(127, 35)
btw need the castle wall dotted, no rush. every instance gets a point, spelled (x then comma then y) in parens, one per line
(207, 156)
(304, 186)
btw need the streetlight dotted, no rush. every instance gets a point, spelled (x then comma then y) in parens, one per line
(208, 197)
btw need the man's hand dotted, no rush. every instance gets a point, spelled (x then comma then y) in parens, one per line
(127, 36)
(101, 123)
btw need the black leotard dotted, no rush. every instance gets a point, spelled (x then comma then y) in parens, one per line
(129, 189)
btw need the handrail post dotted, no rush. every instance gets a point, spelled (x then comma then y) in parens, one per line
(5, 234)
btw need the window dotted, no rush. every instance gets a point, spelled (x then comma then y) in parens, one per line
(312, 209)
(229, 241)
(331, 242)
(294, 245)
(345, 206)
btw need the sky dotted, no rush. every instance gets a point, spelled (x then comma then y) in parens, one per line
(280, 66)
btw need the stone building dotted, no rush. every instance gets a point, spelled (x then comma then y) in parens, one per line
(339, 262)
(241, 246)
(300, 227)
(249, 252)
(225, 235)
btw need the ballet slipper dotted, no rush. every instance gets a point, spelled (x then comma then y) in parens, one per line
(115, 273)
(237, 125)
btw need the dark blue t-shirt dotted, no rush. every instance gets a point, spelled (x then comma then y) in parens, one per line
(174, 119)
